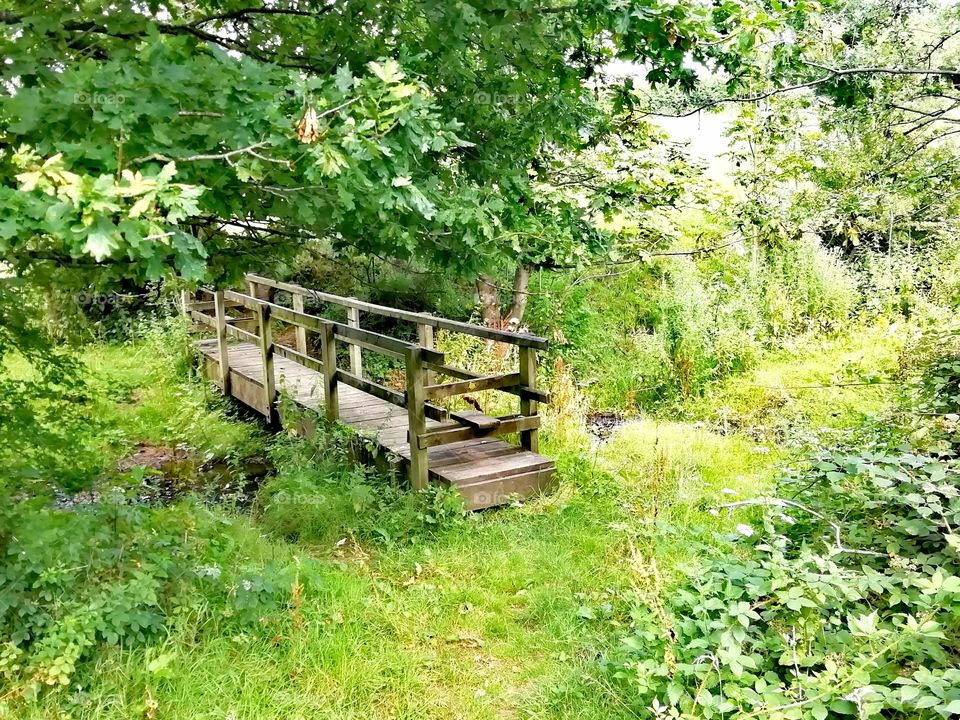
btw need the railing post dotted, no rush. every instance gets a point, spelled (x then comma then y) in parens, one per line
(328, 349)
(529, 439)
(300, 331)
(223, 351)
(416, 419)
(265, 331)
(185, 301)
(425, 339)
(356, 359)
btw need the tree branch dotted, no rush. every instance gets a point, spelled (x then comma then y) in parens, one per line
(831, 74)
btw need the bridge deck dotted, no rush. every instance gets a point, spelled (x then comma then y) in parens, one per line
(487, 471)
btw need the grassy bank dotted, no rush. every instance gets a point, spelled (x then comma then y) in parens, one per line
(339, 595)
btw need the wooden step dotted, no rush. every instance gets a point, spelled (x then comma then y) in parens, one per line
(477, 420)
(491, 492)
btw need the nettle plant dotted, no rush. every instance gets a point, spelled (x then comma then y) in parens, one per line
(842, 599)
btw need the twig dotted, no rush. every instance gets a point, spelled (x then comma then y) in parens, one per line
(212, 156)
(780, 502)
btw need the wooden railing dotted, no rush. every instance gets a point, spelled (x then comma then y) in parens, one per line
(422, 362)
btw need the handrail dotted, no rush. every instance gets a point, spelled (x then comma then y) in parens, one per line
(521, 339)
(377, 342)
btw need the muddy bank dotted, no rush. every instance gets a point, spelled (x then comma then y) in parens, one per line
(163, 475)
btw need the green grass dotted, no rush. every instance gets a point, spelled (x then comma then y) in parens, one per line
(502, 615)
(812, 383)
(144, 394)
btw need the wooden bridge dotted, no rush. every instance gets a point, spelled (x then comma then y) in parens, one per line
(410, 427)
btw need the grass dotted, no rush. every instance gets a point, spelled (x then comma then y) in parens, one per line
(144, 394)
(502, 615)
(812, 384)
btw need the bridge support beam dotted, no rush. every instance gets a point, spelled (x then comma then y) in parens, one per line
(416, 418)
(265, 331)
(529, 439)
(222, 350)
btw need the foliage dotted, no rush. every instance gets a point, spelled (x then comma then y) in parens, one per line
(43, 395)
(320, 496)
(930, 371)
(687, 322)
(288, 123)
(115, 572)
(863, 154)
(849, 609)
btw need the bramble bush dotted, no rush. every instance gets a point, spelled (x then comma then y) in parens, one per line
(842, 599)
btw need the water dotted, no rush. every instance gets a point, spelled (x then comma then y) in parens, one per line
(161, 476)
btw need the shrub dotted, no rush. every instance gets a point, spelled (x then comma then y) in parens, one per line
(319, 495)
(816, 617)
(116, 573)
(931, 368)
(807, 287)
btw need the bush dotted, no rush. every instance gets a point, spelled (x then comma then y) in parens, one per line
(807, 287)
(931, 368)
(668, 328)
(813, 617)
(117, 573)
(319, 495)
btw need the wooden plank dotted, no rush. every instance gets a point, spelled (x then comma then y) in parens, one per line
(476, 420)
(453, 371)
(223, 353)
(201, 317)
(462, 387)
(489, 468)
(371, 388)
(434, 412)
(242, 334)
(447, 434)
(298, 357)
(522, 339)
(376, 416)
(529, 439)
(266, 355)
(417, 420)
(377, 342)
(301, 332)
(356, 360)
(205, 306)
(472, 451)
(500, 491)
(519, 390)
(425, 340)
(331, 398)
(365, 338)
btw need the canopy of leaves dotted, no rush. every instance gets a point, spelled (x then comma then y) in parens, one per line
(419, 122)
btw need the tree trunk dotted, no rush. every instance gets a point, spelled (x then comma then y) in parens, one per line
(489, 302)
(518, 302)
(490, 310)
